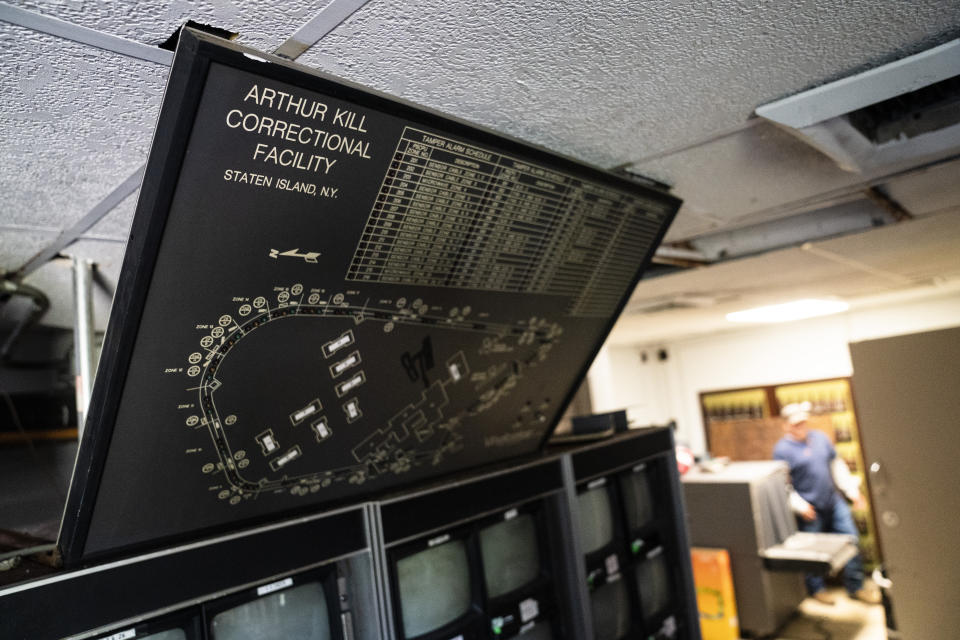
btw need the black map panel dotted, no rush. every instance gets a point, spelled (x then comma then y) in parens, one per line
(336, 294)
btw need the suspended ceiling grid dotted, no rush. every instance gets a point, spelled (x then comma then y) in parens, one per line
(667, 86)
(74, 122)
(262, 25)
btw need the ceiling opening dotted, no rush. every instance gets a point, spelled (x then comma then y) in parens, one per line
(905, 116)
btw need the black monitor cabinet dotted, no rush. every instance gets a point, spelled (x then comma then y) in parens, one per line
(132, 597)
(354, 552)
(644, 559)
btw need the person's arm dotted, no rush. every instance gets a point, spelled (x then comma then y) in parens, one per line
(801, 507)
(843, 480)
(846, 482)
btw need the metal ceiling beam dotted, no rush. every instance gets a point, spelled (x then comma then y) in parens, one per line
(63, 29)
(678, 257)
(329, 18)
(68, 236)
(888, 204)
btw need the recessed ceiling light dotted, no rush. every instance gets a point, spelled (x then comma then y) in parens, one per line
(796, 310)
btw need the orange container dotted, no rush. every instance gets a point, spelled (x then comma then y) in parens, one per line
(715, 598)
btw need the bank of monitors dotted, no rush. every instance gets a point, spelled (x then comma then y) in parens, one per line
(305, 606)
(183, 625)
(624, 530)
(487, 579)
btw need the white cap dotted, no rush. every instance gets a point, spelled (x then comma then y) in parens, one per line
(796, 412)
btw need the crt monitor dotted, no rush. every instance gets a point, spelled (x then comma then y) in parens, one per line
(654, 584)
(510, 554)
(638, 498)
(434, 587)
(174, 633)
(303, 607)
(519, 593)
(596, 524)
(537, 631)
(610, 605)
(167, 634)
(183, 625)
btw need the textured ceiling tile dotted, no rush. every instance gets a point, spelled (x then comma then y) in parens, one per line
(928, 191)
(921, 249)
(263, 25)
(610, 82)
(689, 223)
(776, 274)
(16, 246)
(74, 122)
(748, 177)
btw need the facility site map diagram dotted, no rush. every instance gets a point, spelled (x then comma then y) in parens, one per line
(399, 301)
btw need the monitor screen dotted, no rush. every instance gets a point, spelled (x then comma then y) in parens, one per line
(511, 557)
(653, 582)
(596, 519)
(434, 587)
(638, 500)
(169, 634)
(540, 631)
(300, 612)
(611, 611)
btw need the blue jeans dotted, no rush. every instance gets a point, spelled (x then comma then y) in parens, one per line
(835, 519)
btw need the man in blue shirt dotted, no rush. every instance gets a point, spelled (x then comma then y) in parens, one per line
(816, 472)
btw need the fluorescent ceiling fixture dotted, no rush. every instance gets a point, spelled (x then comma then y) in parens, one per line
(796, 310)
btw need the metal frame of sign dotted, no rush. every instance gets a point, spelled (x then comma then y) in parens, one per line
(185, 87)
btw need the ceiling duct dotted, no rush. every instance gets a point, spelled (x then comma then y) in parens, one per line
(892, 117)
(855, 216)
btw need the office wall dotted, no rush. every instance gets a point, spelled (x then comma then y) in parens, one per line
(656, 390)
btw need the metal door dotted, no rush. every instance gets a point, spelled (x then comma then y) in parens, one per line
(907, 394)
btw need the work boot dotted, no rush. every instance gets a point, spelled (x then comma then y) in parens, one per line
(824, 597)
